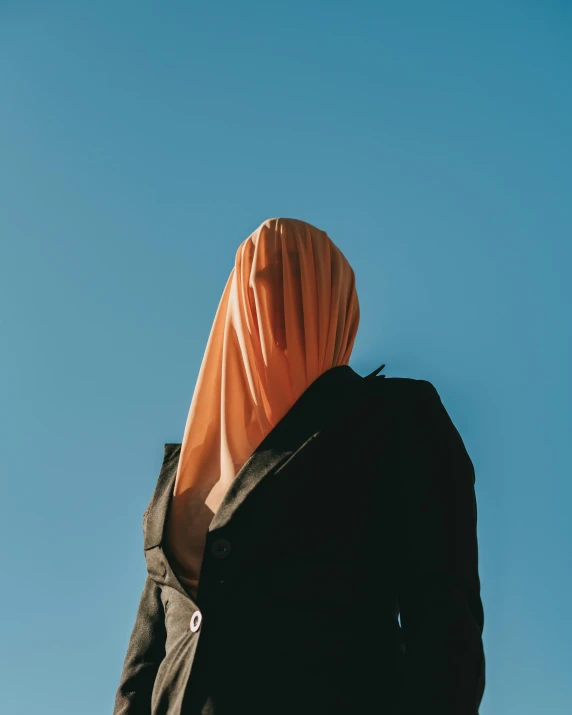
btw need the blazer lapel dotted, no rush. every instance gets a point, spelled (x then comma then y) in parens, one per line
(319, 406)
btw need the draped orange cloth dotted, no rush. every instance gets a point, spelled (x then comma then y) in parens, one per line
(288, 313)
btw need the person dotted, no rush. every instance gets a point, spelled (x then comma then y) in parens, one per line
(311, 544)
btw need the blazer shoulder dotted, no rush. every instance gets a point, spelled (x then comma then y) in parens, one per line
(408, 384)
(405, 391)
(171, 453)
(394, 392)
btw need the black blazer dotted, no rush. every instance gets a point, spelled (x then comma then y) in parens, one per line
(358, 506)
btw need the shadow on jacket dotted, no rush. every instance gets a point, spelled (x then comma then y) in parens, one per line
(357, 507)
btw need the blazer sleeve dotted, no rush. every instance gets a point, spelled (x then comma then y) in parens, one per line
(441, 611)
(145, 651)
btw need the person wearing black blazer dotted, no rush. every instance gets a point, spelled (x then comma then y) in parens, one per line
(339, 573)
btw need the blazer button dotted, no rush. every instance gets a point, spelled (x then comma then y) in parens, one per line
(196, 619)
(220, 548)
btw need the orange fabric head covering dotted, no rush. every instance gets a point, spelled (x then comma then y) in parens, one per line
(289, 312)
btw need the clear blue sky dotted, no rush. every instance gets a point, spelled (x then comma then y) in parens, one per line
(141, 143)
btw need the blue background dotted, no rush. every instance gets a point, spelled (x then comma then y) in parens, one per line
(141, 143)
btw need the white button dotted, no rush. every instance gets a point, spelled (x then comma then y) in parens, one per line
(196, 619)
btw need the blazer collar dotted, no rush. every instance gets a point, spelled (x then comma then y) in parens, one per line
(324, 401)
